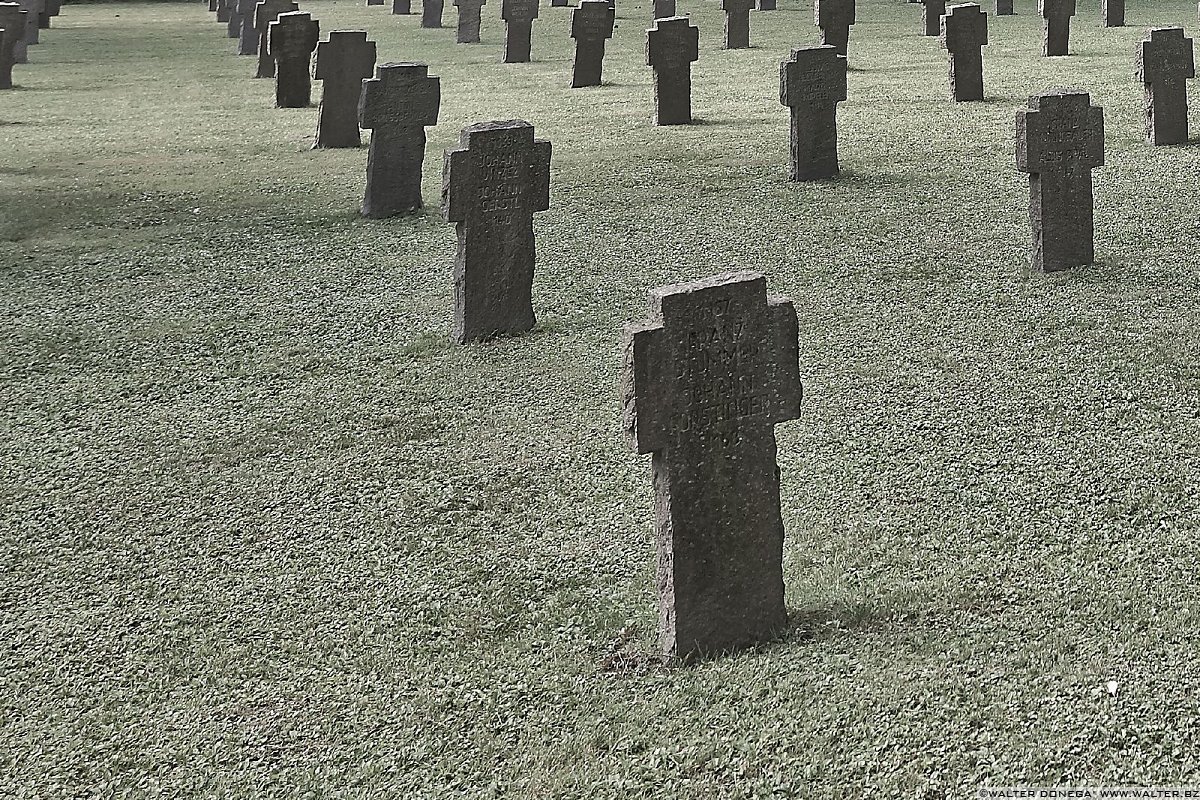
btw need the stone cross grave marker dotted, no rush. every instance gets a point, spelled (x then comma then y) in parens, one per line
(51, 9)
(266, 12)
(834, 18)
(431, 13)
(591, 24)
(964, 33)
(33, 7)
(342, 64)
(248, 35)
(397, 105)
(737, 23)
(12, 43)
(811, 83)
(1112, 13)
(1057, 26)
(671, 47)
(492, 184)
(1004, 8)
(292, 39)
(234, 28)
(518, 16)
(766, 5)
(401, 6)
(212, 5)
(222, 10)
(706, 380)
(1165, 61)
(931, 16)
(468, 20)
(662, 9)
(1060, 140)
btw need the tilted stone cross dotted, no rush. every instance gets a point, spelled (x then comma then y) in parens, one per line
(342, 64)
(401, 6)
(518, 16)
(964, 33)
(931, 16)
(266, 12)
(292, 39)
(834, 18)
(1112, 13)
(1056, 39)
(1164, 63)
(737, 23)
(1060, 140)
(248, 36)
(591, 24)
(468, 20)
(706, 380)
(1004, 8)
(397, 105)
(661, 9)
(431, 13)
(671, 47)
(492, 185)
(12, 42)
(811, 83)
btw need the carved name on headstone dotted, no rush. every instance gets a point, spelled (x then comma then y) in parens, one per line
(811, 83)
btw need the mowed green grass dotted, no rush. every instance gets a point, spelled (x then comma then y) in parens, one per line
(264, 532)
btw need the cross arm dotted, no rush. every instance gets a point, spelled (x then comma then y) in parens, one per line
(786, 389)
(456, 176)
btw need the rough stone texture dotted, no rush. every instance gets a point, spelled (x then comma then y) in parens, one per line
(468, 20)
(663, 9)
(397, 105)
(1112, 13)
(401, 6)
(671, 47)
(431, 13)
(1060, 140)
(1165, 61)
(248, 34)
(737, 23)
(291, 40)
(12, 41)
(266, 12)
(931, 16)
(342, 64)
(1004, 8)
(811, 83)
(834, 18)
(766, 5)
(51, 9)
(706, 380)
(591, 25)
(518, 16)
(964, 34)
(492, 185)
(1057, 15)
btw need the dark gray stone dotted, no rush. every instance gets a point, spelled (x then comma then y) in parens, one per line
(737, 23)
(12, 41)
(33, 8)
(1060, 140)
(1056, 39)
(834, 18)
(591, 24)
(811, 83)
(468, 20)
(518, 16)
(266, 12)
(662, 9)
(342, 64)
(931, 16)
(223, 10)
(431, 13)
(964, 35)
(291, 39)
(1112, 13)
(397, 105)
(1165, 61)
(374, 2)
(706, 380)
(50, 10)
(1004, 8)
(671, 47)
(403, 7)
(766, 5)
(234, 27)
(248, 35)
(492, 185)
(559, 4)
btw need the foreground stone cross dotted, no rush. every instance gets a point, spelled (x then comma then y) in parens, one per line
(266, 12)
(591, 24)
(1112, 13)
(342, 64)
(397, 105)
(1004, 8)
(671, 47)
(931, 16)
(663, 9)
(834, 18)
(468, 20)
(706, 380)
(491, 187)
(737, 23)
(518, 16)
(292, 39)
(964, 33)
(1060, 140)
(431, 13)
(1164, 63)
(248, 35)
(811, 83)
(1057, 27)
(12, 41)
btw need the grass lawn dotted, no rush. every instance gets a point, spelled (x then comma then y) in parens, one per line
(265, 533)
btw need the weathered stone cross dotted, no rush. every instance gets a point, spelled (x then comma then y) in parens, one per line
(12, 43)
(292, 38)
(468, 20)
(964, 33)
(1060, 140)
(706, 379)
(266, 12)
(811, 83)
(737, 23)
(671, 47)
(931, 16)
(1164, 63)
(1112, 13)
(248, 38)
(834, 18)
(518, 16)
(431, 13)
(591, 24)
(342, 64)
(1057, 27)
(396, 105)
(661, 9)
